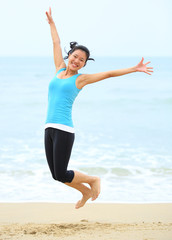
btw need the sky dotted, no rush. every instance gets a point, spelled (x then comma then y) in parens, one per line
(106, 27)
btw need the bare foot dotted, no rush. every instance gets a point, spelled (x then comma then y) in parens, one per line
(95, 188)
(84, 199)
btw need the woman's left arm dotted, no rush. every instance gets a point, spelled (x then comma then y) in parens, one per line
(85, 79)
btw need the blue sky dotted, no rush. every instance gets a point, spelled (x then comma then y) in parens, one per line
(106, 27)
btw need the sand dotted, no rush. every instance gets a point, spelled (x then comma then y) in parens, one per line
(50, 221)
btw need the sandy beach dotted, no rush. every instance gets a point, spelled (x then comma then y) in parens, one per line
(102, 221)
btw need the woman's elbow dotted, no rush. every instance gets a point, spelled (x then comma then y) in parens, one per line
(109, 75)
(56, 42)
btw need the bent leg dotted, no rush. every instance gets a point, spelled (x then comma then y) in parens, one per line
(62, 147)
(60, 153)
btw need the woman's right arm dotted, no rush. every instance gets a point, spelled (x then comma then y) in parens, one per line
(58, 58)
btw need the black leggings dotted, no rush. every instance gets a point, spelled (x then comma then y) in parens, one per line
(58, 147)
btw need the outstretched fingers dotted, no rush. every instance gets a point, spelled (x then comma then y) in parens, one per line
(147, 63)
(148, 71)
(49, 16)
(149, 67)
(142, 60)
(50, 11)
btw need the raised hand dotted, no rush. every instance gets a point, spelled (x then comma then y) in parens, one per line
(142, 67)
(49, 16)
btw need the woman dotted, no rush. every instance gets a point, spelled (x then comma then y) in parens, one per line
(59, 131)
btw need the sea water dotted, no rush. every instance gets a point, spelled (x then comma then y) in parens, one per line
(123, 132)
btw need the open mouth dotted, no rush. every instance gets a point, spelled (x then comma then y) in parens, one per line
(74, 65)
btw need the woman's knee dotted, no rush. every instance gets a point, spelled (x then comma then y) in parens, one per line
(65, 177)
(60, 179)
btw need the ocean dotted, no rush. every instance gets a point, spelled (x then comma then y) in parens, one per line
(123, 132)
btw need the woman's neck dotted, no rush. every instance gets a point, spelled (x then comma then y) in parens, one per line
(69, 72)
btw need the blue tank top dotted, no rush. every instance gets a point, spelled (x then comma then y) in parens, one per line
(61, 95)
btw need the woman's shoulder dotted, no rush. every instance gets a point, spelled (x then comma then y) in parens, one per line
(60, 70)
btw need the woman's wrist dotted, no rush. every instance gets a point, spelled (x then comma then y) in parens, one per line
(52, 23)
(134, 69)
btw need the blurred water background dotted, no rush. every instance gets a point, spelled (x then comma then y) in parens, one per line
(123, 132)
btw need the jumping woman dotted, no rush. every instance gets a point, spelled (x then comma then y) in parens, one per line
(59, 130)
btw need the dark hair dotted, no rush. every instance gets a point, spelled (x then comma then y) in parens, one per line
(74, 46)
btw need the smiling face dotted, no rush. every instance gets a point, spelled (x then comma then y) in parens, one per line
(77, 60)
